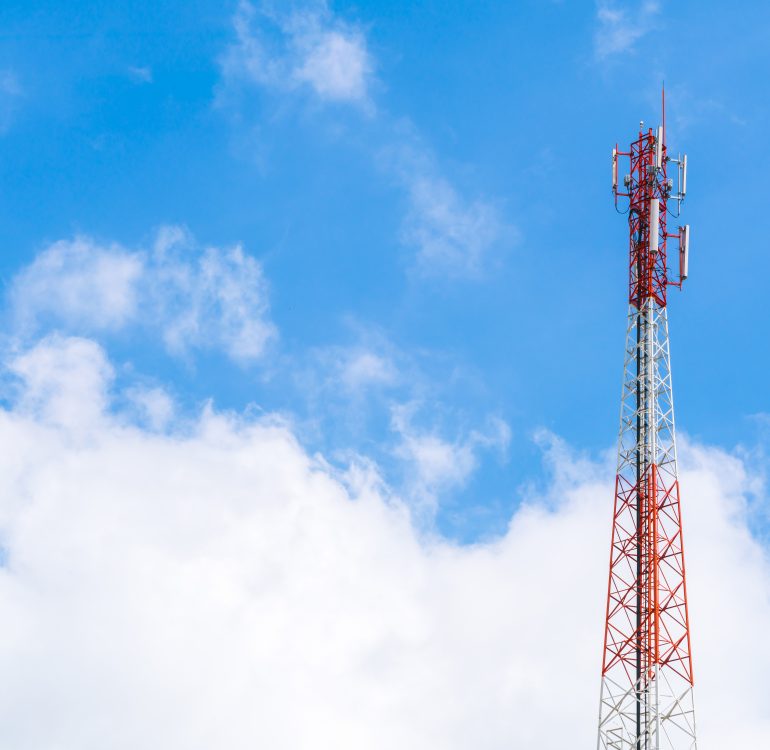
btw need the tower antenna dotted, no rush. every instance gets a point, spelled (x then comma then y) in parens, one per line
(647, 674)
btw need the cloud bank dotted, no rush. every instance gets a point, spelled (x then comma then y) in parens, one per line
(213, 585)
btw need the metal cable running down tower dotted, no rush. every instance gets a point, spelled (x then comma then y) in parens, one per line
(647, 678)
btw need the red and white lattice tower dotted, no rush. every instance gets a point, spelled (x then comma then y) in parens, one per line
(647, 676)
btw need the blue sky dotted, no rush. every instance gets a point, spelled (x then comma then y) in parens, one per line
(442, 207)
(313, 318)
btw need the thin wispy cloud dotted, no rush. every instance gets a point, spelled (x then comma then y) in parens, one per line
(436, 464)
(11, 92)
(621, 24)
(306, 46)
(353, 378)
(453, 237)
(430, 449)
(140, 73)
(300, 48)
(358, 369)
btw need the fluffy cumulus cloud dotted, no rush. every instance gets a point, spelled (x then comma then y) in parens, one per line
(293, 46)
(81, 283)
(621, 24)
(217, 298)
(195, 298)
(222, 587)
(213, 585)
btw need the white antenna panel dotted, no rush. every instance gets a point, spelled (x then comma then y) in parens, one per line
(684, 251)
(654, 225)
(684, 176)
(659, 149)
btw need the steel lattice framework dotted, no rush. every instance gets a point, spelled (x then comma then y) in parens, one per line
(647, 677)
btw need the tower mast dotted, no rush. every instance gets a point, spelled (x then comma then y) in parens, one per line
(647, 677)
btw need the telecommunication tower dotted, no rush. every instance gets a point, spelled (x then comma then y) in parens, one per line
(647, 677)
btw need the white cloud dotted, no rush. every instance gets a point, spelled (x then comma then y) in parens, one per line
(297, 47)
(354, 370)
(65, 382)
(140, 73)
(10, 93)
(216, 299)
(452, 237)
(622, 24)
(155, 406)
(337, 66)
(79, 283)
(369, 366)
(197, 299)
(362, 368)
(305, 44)
(437, 465)
(220, 588)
